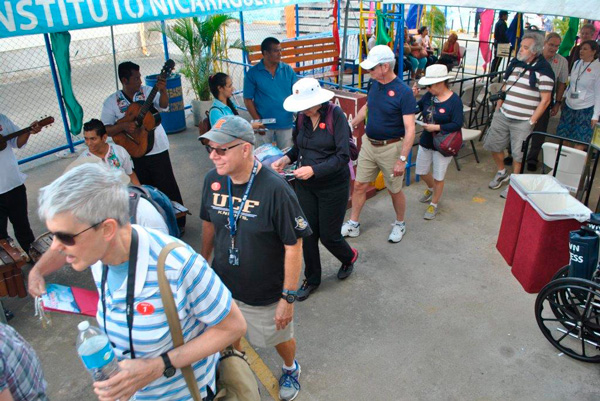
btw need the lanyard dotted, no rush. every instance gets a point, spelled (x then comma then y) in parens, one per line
(581, 72)
(233, 220)
(133, 250)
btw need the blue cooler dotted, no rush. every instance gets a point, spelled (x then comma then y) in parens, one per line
(173, 120)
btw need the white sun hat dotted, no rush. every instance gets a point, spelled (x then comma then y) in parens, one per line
(435, 73)
(306, 93)
(378, 54)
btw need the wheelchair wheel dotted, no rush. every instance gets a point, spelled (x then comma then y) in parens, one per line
(563, 272)
(568, 313)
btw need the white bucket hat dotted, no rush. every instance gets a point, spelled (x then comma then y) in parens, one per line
(378, 54)
(306, 93)
(434, 74)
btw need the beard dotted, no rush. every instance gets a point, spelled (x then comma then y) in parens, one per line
(522, 57)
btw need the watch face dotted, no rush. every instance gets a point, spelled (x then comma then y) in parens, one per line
(169, 372)
(290, 298)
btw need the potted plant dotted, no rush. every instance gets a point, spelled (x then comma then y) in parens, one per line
(203, 44)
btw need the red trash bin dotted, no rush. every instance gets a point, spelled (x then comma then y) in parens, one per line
(543, 243)
(521, 185)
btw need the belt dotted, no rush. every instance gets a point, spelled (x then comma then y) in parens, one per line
(375, 142)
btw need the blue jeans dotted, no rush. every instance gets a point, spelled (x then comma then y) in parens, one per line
(417, 63)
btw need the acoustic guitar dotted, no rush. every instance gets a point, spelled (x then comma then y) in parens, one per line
(5, 138)
(146, 119)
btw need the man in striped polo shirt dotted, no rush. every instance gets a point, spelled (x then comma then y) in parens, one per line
(528, 89)
(87, 210)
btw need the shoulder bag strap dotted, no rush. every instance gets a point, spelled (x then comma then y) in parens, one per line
(171, 311)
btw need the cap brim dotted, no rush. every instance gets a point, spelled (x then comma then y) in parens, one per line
(368, 64)
(430, 81)
(219, 137)
(294, 105)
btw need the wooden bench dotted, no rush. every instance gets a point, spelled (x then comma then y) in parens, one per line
(304, 55)
(180, 210)
(12, 259)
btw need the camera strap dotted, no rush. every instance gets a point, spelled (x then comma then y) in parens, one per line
(517, 80)
(133, 250)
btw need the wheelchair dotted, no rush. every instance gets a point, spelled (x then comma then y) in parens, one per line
(567, 311)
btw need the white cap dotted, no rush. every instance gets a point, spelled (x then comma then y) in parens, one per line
(306, 93)
(83, 326)
(379, 54)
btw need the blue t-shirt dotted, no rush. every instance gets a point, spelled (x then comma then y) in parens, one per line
(269, 92)
(218, 110)
(387, 105)
(448, 114)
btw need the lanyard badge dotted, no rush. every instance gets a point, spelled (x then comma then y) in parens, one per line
(234, 253)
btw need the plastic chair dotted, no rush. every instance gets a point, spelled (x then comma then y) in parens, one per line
(461, 66)
(469, 135)
(569, 167)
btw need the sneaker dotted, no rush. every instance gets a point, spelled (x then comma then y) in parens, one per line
(346, 269)
(398, 231)
(504, 193)
(508, 161)
(289, 386)
(426, 198)
(305, 290)
(430, 213)
(498, 180)
(350, 229)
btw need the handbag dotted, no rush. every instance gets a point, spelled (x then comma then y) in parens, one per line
(235, 379)
(448, 143)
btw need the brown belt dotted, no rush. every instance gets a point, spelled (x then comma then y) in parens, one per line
(375, 142)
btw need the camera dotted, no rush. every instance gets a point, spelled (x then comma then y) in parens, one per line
(498, 96)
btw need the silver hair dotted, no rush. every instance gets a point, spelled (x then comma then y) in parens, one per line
(538, 41)
(391, 63)
(590, 27)
(552, 35)
(91, 193)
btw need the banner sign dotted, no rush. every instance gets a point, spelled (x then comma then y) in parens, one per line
(26, 17)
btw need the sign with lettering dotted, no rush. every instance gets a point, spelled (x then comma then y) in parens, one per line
(26, 17)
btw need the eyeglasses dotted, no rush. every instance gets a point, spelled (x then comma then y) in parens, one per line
(428, 86)
(220, 151)
(69, 239)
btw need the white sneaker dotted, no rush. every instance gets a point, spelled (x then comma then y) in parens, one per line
(398, 231)
(350, 229)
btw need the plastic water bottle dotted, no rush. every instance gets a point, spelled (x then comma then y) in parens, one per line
(95, 351)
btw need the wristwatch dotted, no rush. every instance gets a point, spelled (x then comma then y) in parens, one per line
(289, 296)
(169, 369)
(402, 159)
(531, 122)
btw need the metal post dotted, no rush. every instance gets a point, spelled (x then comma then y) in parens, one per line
(297, 21)
(164, 37)
(243, 37)
(401, 44)
(344, 44)
(112, 38)
(59, 96)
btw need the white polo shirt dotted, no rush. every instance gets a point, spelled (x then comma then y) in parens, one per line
(10, 175)
(116, 157)
(116, 105)
(201, 299)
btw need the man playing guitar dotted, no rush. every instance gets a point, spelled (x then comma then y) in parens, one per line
(13, 195)
(155, 167)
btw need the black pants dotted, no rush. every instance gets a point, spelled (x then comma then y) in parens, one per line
(477, 21)
(325, 208)
(538, 140)
(156, 170)
(13, 206)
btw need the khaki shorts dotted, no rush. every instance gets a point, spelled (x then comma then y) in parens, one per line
(261, 330)
(504, 131)
(373, 159)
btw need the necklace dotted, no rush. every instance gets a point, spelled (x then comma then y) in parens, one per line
(315, 124)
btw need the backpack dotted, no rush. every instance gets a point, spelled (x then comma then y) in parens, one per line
(204, 125)
(329, 124)
(159, 200)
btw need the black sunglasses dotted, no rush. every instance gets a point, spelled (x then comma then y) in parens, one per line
(220, 151)
(69, 239)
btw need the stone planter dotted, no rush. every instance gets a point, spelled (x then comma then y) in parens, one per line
(199, 109)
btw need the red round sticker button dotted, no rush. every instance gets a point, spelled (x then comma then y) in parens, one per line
(215, 186)
(555, 61)
(391, 93)
(589, 70)
(322, 125)
(442, 111)
(145, 308)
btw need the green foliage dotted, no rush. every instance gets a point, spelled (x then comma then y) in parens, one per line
(202, 44)
(561, 25)
(434, 19)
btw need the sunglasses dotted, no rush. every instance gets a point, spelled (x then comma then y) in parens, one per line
(69, 239)
(220, 151)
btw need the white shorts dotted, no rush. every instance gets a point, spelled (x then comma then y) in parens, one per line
(440, 163)
(261, 331)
